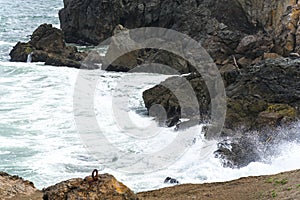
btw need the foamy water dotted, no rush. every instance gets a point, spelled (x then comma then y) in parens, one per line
(39, 139)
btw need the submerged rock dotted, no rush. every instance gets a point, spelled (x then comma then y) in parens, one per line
(47, 45)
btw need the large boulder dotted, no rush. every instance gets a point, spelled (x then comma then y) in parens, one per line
(103, 186)
(47, 45)
(174, 96)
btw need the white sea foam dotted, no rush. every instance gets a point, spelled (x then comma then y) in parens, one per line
(39, 139)
(6, 43)
(38, 136)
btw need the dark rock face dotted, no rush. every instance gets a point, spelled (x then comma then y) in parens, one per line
(130, 60)
(245, 28)
(103, 186)
(237, 153)
(93, 21)
(262, 95)
(47, 45)
(265, 94)
(172, 93)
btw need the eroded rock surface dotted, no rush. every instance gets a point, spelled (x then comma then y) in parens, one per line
(104, 187)
(12, 187)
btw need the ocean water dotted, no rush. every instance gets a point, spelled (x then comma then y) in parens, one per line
(39, 137)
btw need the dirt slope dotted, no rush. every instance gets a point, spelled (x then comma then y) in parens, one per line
(282, 186)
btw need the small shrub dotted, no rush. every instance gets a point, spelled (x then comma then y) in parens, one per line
(274, 194)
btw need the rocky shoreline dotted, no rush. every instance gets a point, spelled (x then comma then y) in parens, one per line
(255, 45)
(281, 186)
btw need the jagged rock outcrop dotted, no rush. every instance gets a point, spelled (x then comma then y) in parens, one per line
(103, 186)
(265, 94)
(225, 28)
(47, 45)
(265, 14)
(93, 21)
(259, 98)
(14, 187)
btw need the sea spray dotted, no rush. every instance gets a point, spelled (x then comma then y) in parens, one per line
(29, 58)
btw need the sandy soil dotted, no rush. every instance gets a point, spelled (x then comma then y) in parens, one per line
(284, 186)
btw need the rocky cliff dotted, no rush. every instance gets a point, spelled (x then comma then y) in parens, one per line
(94, 20)
(246, 39)
(219, 25)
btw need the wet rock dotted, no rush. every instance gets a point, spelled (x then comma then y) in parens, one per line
(128, 59)
(48, 39)
(257, 95)
(177, 98)
(47, 45)
(20, 52)
(60, 61)
(238, 152)
(103, 186)
(171, 180)
(239, 148)
(14, 187)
